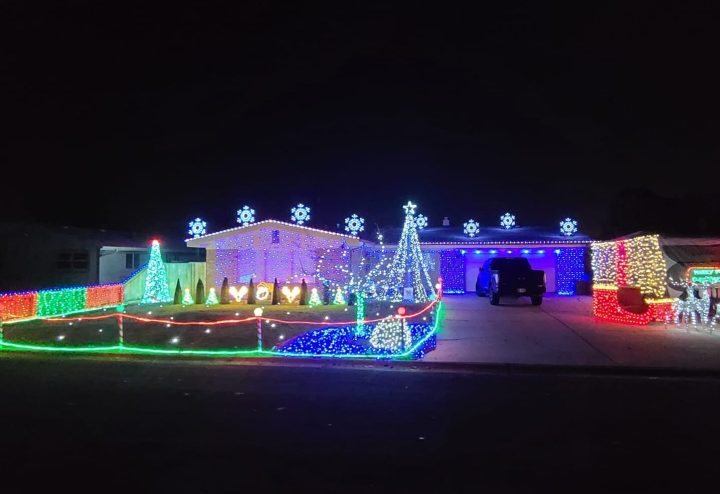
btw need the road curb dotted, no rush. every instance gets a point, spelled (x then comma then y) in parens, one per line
(390, 365)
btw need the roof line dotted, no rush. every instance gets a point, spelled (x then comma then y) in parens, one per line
(241, 227)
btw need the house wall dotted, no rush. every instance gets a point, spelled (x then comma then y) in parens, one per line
(563, 266)
(187, 272)
(112, 264)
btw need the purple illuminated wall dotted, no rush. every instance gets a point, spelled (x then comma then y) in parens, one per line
(452, 270)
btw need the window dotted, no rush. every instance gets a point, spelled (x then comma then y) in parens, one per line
(132, 260)
(73, 260)
(276, 236)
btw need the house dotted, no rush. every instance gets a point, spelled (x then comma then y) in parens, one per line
(34, 256)
(457, 257)
(274, 249)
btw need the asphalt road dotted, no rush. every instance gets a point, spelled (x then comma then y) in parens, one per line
(157, 426)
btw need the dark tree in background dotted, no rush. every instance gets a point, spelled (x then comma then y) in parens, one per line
(200, 293)
(326, 293)
(251, 293)
(303, 292)
(276, 293)
(177, 298)
(225, 292)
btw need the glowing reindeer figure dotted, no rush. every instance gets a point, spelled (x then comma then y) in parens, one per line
(704, 303)
(686, 310)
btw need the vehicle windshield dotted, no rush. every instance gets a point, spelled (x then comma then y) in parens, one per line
(514, 263)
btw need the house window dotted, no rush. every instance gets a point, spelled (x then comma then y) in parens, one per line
(276, 236)
(73, 260)
(132, 260)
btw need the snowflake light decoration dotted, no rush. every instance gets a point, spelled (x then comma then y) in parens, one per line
(507, 221)
(354, 224)
(471, 228)
(197, 228)
(568, 227)
(421, 221)
(246, 215)
(300, 214)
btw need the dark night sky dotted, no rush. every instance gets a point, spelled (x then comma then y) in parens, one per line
(126, 115)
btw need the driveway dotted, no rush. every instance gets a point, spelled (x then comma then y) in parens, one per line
(563, 332)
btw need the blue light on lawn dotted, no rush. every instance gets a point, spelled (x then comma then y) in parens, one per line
(493, 251)
(478, 252)
(526, 251)
(557, 251)
(509, 252)
(463, 252)
(541, 251)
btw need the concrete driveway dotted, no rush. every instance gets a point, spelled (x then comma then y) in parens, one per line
(563, 332)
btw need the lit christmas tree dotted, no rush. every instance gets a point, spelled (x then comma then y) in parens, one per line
(187, 298)
(156, 284)
(407, 268)
(212, 298)
(392, 334)
(314, 297)
(339, 298)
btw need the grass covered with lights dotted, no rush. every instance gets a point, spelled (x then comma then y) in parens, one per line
(81, 332)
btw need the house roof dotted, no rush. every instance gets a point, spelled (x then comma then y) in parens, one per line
(488, 236)
(211, 239)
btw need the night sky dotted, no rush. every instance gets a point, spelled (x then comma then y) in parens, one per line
(133, 116)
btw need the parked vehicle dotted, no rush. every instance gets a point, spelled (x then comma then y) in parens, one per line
(510, 277)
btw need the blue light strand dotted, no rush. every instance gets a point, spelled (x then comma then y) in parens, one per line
(452, 270)
(570, 269)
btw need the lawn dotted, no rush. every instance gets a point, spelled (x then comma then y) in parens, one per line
(77, 331)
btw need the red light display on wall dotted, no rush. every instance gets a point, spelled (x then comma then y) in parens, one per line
(102, 296)
(18, 305)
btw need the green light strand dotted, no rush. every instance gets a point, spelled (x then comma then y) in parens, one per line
(125, 349)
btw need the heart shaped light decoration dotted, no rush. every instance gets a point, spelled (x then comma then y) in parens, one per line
(291, 295)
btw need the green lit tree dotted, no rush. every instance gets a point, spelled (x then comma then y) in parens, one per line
(156, 283)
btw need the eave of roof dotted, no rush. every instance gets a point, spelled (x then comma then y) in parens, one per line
(206, 240)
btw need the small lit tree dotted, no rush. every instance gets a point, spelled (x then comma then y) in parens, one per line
(156, 282)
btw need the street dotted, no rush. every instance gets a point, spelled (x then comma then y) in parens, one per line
(136, 425)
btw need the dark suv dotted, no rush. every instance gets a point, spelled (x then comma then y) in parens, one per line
(510, 277)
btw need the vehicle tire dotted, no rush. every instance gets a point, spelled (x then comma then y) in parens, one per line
(480, 293)
(536, 300)
(494, 298)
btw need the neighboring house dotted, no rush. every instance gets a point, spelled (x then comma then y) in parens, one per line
(34, 256)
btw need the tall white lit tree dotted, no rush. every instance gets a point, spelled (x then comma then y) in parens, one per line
(156, 285)
(408, 268)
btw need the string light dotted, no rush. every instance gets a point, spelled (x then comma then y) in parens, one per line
(339, 298)
(392, 334)
(636, 262)
(421, 221)
(568, 227)
(212, 298)
(197, 228)
(290, 294)
(300, 214)
(187, 298)
(245, 215)
(471, 228)
(314, 298)
(354, 224)
(156, 285)
(507, 221)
